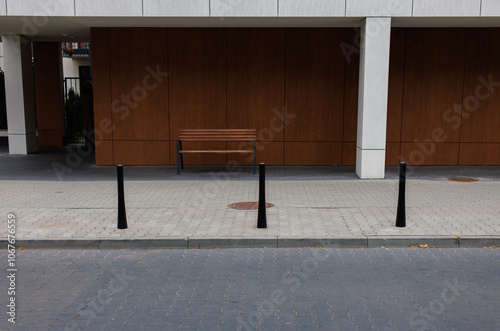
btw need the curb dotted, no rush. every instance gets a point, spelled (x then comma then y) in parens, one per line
(277, 242)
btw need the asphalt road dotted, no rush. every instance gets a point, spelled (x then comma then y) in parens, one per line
(254, 289)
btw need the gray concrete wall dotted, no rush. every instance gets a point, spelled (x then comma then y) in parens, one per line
(251, 8)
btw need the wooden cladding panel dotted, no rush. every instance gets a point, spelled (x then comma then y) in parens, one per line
(48, 93)
(313, 153)
(139, 84)
(351, 87)
(141, 152)
(433, 81)
(348, 153)
(392, 154)
(197, 60)
(50, 137)
(480, 114)
(101, 82)
(104, 152)
(314, 84)
(396, 84)
(319, 85)
(256, 79)
(479, 154)
(430, 153)
(270, 153)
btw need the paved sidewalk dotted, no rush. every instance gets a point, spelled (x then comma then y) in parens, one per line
(313, 207)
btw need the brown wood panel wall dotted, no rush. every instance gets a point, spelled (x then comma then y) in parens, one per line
(256, 81)
(48, 93)
(481, 115)
(104, 152)
(139, 84)
(479, 154)
(392, 153)
(314, 84)
(141, 152)
(103, 120)
(396, 84)
(198, 79)
(433, 81)
(197, 59)
(349, 153)
(430, 153)
(234, 78)
(269, 152)
(313, 153)
(351, 87)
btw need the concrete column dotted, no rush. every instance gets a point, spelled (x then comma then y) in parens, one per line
(372, 102)
(20, 94)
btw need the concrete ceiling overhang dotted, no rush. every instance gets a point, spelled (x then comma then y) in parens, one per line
(43, 28)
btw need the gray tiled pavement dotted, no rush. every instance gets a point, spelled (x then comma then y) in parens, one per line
(257, 289)
(310, 202)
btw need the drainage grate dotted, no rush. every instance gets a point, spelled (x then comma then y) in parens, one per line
(248, 205)
(463, 180)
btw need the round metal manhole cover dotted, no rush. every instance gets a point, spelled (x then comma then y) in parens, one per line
(463, 180)
(248, 205)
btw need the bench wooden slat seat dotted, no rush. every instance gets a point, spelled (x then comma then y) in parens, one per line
(227, 135)
(206, 151)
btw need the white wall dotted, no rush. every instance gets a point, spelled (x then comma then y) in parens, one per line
(176, 8)
(251, 8)
(40, 8)
(364, 8)
(490, 8)
(259, 8)
(108, 8)
(70, 65)
(301, 8)
(446, 8)
(3, 7)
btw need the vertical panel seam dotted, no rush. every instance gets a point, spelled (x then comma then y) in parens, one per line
(167, 59)
(227, 34)
(403, 98)
(463, 95)
(284, 98)
(74, 7)
(108, 45)
(343, 107)
(481, 8)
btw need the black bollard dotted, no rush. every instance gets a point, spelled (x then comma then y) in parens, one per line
(122, 215)
(401, 214)
(261, 217)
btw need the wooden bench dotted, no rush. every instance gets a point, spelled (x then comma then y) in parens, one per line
(226, 135)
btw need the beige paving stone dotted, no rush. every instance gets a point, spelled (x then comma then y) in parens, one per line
(199, 208)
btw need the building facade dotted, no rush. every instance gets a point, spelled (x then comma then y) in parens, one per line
(325, 82)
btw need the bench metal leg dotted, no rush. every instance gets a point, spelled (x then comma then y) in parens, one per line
(178, 169)
(182, 155)
(254, 155)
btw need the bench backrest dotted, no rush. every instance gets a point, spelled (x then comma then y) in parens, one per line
(217, 134)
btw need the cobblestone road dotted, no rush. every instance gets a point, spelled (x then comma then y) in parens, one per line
(256, 289)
